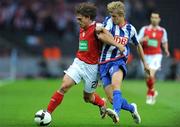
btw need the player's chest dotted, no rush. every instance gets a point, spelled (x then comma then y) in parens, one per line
(86, 40)
(156, 34)
(87, 35)
(121, 37)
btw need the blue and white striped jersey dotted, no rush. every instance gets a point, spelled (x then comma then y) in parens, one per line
(122, 34)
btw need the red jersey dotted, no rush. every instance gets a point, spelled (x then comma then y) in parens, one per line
(156, 37)
(89, 46)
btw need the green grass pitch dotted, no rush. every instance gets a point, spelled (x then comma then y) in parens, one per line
(20, 100)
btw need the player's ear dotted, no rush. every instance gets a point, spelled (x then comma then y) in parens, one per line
(159, 19)
(88, 17)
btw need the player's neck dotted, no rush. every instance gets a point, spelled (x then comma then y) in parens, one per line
(154, 26)
(89, 24)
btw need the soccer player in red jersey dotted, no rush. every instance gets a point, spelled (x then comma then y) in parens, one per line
(85, 65)
(152, 37)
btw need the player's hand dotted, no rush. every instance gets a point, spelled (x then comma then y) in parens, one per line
(146, 38)
(99, 27)
(121, 47)
(167, 53)
(147, 69)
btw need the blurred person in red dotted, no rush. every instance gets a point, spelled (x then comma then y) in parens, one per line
(153, 39)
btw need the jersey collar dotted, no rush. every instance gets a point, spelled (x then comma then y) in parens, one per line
(156, 28)
(90, 25)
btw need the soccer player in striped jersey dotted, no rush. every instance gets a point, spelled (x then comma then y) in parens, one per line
(113, 61)
(152, 37)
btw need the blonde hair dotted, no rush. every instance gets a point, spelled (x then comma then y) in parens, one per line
(117, 6)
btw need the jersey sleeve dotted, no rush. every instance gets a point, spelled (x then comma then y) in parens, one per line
(134, 37)
(141, 33)
(108, 23)
(164, 38)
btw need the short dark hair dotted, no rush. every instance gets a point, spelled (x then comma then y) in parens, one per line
(155, 11)
(86, 9)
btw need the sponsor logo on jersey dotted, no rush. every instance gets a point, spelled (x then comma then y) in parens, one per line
(122, 40)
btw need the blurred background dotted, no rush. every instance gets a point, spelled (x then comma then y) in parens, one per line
(39, 38)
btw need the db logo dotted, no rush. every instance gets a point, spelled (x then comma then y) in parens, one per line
(122, 40)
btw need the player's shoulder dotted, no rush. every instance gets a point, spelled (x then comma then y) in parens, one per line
(162, 28)
(81, 30)
(98, 26)
(130, 27)
(107, 20)
(98, 23)
(146, 27)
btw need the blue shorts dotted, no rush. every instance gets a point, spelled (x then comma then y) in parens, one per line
(106, 70)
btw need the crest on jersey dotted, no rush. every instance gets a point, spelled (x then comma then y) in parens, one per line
(154, 34)
(122, 40)
(83, 34)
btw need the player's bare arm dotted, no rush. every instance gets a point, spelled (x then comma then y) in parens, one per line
(165, 48)
(106, 37)
(141, 54)
(145, 38)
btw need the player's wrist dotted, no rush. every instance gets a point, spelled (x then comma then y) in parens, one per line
(145, 65)
(121, 47)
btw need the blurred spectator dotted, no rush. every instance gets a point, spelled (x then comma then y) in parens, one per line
(7, 11)
(51, 62)
(31, 25)
(175, 66)
(177, 54)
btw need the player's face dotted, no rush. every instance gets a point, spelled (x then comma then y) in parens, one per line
(155, 19)
(116, 18)
(83, 21)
